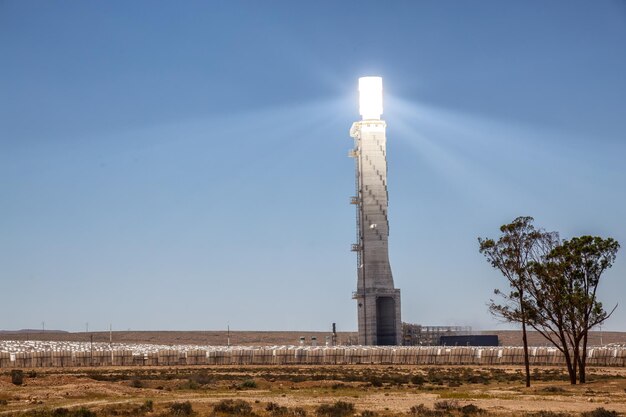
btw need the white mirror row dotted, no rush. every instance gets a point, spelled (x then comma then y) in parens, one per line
(43, 354)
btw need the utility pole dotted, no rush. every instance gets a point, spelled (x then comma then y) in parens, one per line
(111, 340)
(601, 344)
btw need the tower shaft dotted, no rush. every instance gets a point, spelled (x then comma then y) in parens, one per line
(378, 301)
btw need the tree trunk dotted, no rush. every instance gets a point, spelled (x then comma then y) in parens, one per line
(570, 369)
(581, 370)
(526, 360)
(583, 361)
(575, 359)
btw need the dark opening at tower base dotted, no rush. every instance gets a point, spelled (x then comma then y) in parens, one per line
(385, 321)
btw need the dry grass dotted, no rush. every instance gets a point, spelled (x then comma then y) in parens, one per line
(299, 391)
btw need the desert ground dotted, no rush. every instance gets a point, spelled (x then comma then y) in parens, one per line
(299, 391)
(326, 391)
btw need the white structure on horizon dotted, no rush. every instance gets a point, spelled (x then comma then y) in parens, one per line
(378, 300)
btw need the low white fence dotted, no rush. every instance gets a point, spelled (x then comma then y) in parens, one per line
(298, 355)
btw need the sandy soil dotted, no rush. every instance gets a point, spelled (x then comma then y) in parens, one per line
(384, 389)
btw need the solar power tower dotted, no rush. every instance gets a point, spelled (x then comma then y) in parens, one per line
(378, 300)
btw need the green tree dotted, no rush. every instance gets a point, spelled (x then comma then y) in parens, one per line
(562, 296)
(520, 246)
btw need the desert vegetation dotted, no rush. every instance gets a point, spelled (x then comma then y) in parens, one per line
(553, 287)
(315, 391)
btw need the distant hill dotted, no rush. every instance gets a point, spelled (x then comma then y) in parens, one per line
(262, 338)
(215, 338)
(31, 331)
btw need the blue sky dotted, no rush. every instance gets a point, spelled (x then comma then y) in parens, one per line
(183, 165)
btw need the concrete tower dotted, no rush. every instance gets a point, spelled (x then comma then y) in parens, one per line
(377, 300)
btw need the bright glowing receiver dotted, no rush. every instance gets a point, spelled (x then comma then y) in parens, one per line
(370, 97)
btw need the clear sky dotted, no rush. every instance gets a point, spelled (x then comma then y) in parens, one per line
(183, 165)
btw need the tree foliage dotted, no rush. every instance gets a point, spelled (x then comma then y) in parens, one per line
(562, 296)
(553, 286)
(520, 246)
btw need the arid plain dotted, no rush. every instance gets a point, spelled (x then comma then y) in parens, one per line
(364, 390)
(297, 391)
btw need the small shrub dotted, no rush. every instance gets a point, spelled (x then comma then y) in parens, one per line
(417, 409)
(3, 402)
(470, 409)
(338, 409)
(181, 408)
(295, 378)
(113, 410)
(136, 383)
(376, 382)
(368, 413)
(417, 380)
(422, 411)
(17, 377)
(248, 384)
(236, 407)
(398, 379)
(147, 406)
(277, 410)
(298, 412)
(447, 405)
(189, 384)
(271, 407)
(552, 390)
(201, 378)
(82, 412)
(546, 413)
(31, 374)
(600, 412)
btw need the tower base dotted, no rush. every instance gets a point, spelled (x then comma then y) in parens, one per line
(379, 316)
